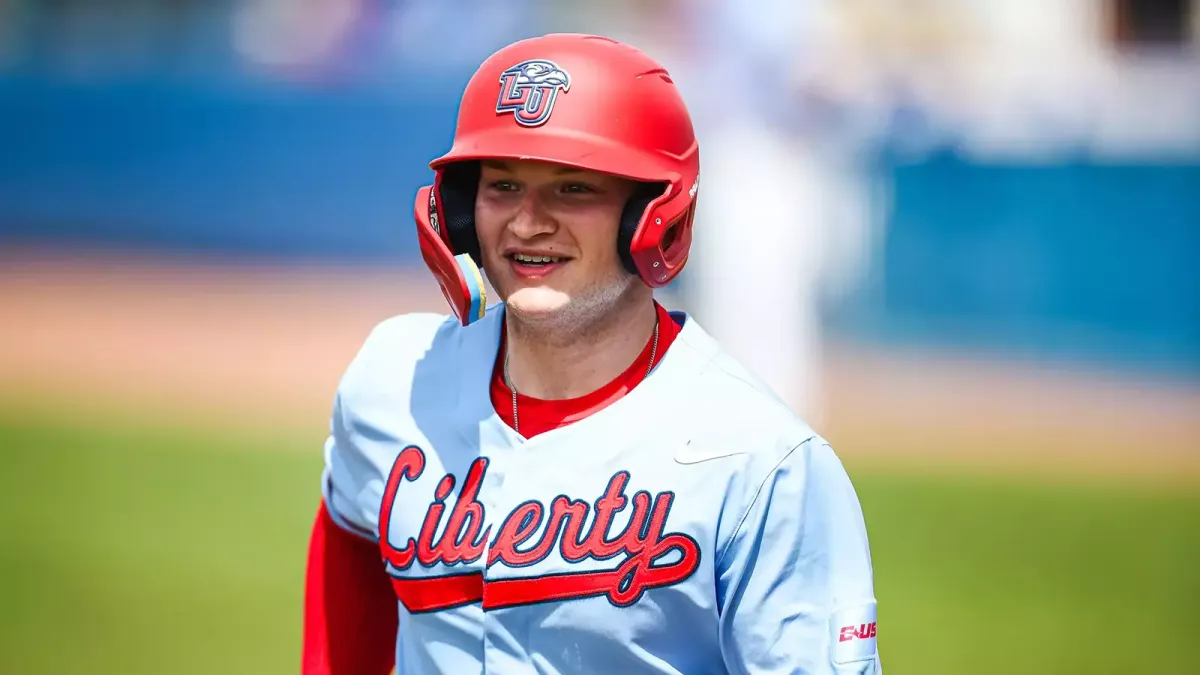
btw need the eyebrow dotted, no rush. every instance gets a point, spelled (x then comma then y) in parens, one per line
(501, 165)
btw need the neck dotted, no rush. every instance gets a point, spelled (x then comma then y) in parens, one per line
(550, 363)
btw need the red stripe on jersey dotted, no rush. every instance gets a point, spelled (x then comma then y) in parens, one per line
(434, 593)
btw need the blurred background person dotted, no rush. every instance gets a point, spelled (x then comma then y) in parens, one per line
(773, 183)
(791, 99)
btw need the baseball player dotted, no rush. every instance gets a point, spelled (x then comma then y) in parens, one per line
(574, 480)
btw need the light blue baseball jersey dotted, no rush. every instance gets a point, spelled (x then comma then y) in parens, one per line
(694, 526)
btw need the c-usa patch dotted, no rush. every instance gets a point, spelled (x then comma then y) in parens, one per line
(853, 633)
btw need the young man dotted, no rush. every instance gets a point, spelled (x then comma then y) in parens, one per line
(574, 480)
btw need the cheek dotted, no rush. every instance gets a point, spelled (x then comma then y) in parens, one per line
(488, 225)
(599, 237)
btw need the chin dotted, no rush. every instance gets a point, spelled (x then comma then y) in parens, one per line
(537, 301)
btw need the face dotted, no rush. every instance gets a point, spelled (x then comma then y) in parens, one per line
(548, 236)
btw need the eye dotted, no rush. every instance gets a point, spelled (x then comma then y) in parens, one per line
(578, 188)
(503, 186)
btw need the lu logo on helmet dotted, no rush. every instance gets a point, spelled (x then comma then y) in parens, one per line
(529, 89)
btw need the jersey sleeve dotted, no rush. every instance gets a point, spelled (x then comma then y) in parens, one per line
(351, 483)
(795, 586)
(350, 613)
(374, 389)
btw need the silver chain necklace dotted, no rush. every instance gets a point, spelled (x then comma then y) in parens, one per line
(508, 380)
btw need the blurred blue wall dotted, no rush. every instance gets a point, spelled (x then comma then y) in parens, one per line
(1071, 260)
(1075, 260)
(270, 171)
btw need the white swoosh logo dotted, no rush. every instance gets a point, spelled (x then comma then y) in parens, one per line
(689, 455)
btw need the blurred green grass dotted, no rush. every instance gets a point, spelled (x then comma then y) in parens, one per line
(141, 550)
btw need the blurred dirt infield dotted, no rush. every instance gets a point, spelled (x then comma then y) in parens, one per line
(251, 347)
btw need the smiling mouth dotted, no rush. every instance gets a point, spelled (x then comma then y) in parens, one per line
(536, 260)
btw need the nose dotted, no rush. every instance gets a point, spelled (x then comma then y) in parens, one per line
(530, 219)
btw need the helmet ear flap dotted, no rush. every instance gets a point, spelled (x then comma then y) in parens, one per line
(457, 186)
(457, 274)
(631, 218)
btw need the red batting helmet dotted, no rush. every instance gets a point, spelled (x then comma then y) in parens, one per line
(578, 100)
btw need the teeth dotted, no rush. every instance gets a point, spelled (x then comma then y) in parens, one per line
(521, 257)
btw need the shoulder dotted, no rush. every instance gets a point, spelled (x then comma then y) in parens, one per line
(727, 407)
(410, 349)
(401, 337)
(736, 424)
(394, 344)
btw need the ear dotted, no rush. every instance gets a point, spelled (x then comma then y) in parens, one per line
(457, 275)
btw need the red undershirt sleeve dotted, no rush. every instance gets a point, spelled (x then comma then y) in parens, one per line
(350, 612)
